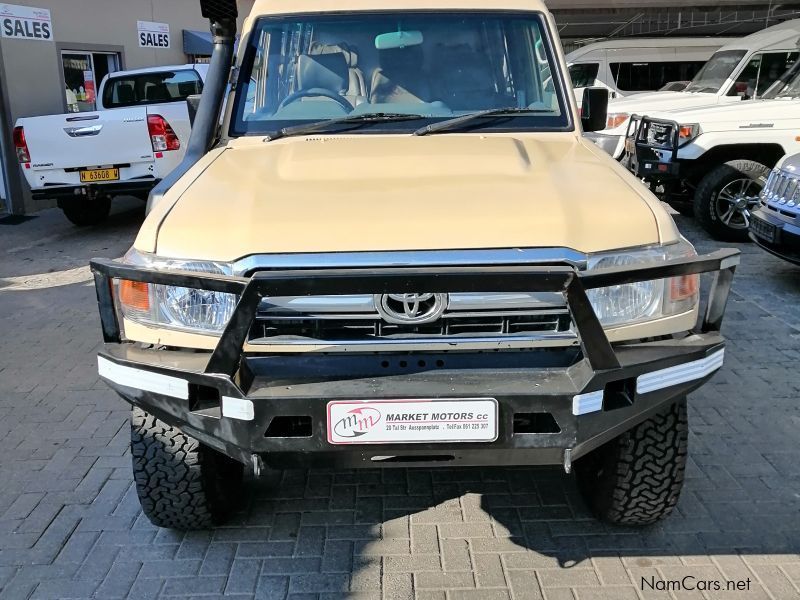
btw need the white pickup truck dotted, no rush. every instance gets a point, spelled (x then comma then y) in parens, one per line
(743, 70)
(714, 161)
(138, 135)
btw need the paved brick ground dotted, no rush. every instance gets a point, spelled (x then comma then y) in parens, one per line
(70, 525)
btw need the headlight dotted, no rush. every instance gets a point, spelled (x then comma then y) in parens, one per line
(661, 135)
(179, 308)
(614, 120)
(629, 304)
(687, 133)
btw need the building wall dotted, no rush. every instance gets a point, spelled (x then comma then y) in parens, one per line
(31, 71)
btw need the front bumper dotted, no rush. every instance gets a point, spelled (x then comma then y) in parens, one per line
(776, 235)
(554, 405)
(79, 193)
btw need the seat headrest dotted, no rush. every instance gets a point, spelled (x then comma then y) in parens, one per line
(158, 92)
(187, 88)
(327, 71)
(350, 52)
(125, 93)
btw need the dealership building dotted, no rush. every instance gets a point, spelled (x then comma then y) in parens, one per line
(55, 53)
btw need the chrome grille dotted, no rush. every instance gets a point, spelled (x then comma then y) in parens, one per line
(782, 193)
(353, 320)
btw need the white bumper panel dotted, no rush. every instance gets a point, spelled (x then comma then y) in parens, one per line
(658, 380)
(143, 380)
(583, 404)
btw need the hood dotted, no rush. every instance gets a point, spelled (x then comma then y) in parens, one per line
(647, 103)
(754, 114)
(385, 193)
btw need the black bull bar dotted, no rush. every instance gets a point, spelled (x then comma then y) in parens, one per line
(226, 365)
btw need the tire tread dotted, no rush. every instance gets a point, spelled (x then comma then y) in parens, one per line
(175, 476)
(636, 479)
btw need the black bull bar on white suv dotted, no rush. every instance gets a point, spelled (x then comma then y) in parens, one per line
(651, 148)
(553, 404)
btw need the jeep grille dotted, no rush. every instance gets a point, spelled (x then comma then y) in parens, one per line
(782, 193)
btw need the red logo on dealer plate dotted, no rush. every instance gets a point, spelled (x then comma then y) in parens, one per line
(358, 422)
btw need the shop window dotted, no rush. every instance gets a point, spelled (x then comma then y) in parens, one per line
(83, 73)
(646, 77)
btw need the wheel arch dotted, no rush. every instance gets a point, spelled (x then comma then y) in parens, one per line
(767, 154)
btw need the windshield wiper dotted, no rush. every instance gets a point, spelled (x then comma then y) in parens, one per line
(361, 119)
(492, 113)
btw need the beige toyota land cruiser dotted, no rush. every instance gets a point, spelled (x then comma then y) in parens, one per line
(390, 246)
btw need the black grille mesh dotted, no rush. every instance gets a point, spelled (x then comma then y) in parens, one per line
(343, 329)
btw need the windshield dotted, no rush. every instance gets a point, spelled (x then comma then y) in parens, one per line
(792, 89)
(434, 66)
(151, 88)
(716, 71)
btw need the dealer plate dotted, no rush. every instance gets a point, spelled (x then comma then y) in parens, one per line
(766, 231)
(95, 175)
(412, 421)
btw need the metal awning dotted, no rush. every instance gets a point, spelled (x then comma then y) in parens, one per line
(197, 43)
(646, 19)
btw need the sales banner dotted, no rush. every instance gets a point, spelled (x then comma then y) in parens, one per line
(25, 23)
(153, 35)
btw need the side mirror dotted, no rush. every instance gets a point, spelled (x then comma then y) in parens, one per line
(193, 104)
(594, 110)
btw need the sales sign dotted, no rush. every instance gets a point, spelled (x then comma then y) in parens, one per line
(25, 23)
(153, 35)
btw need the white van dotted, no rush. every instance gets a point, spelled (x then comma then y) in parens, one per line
(635, 65)
(741, 70)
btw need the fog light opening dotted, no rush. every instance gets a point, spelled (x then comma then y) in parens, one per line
(205, 400)
(295, 426)
(537, 423)
(619, 394)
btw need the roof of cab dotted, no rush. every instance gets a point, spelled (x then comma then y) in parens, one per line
(281, 7)
(782, 36)
(159, 69)
(662, 42)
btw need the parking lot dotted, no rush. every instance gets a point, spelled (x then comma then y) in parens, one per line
(71, 527)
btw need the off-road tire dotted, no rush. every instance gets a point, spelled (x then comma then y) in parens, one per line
(705, 196)
(86, 213)
(181, 484)
(636, 478)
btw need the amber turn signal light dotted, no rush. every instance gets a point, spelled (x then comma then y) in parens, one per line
(684, 287)
(134, 295)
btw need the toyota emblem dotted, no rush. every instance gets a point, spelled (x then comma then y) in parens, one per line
(411, 309)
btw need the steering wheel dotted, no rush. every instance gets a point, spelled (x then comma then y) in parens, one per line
(317, 93)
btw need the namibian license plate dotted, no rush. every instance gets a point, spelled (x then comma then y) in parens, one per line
(766, 231)
(95, 175)
(412, 421)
